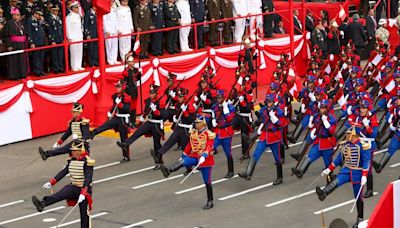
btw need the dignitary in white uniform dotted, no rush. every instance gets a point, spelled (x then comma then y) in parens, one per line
(75, 33)
(125, 26)
(186, 19)
(110, 24)
(254, 7)
(239, 9)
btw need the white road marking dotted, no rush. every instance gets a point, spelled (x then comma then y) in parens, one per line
(290, 198)
(31, 215)
(106, 165)
(11, 203)
(245, 192)
(202, 185)
(139, 223)
(78, 220)
(122, 175)
(49, 219)
(157, 181)
(337, 206)
(395, 165)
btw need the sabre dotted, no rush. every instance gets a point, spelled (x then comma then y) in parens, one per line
(66, 216)
(358, 196)
(312, 183)
(195, 168)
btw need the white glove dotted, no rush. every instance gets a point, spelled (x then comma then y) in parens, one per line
(349, 111)
(118, 100)
(175, 119)
(55, 145)
(344, 66)
(214, 122)
(141, 118)
(225, 108)
(341, 32)
(203, 97)
(310, 122)
(331, 57)
(74, 136)
(390, 120)
(369, 64)
(230, 101)
(325, 121)
(259, 129)
(380, 93)
(312, 96)
(140, 70)
(340, 85)
(395, 58)
(109, 115)
(196, 98)
(81, 198)
(153, 107)
(392, 128)
(285, 110)
(389, 104)
(241, 98)
(383, 67)
(47, 185)
(326, 172)
(202, 159)
(273, 117)
(369, 73)
(303, 108)
(172, 93)
(184, 107)
(366, 121)
(313, 134)
(195, 105)
(363, 180)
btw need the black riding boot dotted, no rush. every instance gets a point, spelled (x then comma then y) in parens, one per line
(296, 134)
(384, 160)
(210, 197)
(303, 147)
(230, 173)
(38, 204)
(132, 118)
(370, 186)
(245, 147)
(43, 153)
(299, 172)
(167, 170)
(360, 211)
(157, 159)
(282, 153)
(322, 193)
(126, 155)
(279, 176)
(250, 169)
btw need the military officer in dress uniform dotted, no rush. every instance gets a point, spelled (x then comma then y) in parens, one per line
(36, 36)
(214, 13)
(198, 9)
(157, 17)
(79, 191)
(142, 21)
(199, 151)
(254, 7)
(131, 77)
(78, 127)
(27, 9)
(90, 31)
(239, 10)
(125, 26)
(111, 29)
(75, 33)
(227, 12)
(172, 19)
(56, 36)
(186, 19)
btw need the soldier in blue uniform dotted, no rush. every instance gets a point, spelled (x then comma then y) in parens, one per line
(56, 36)
(36, 35)
(78, 127)
(80, 167)
(172, 19)
(90, 32)
(355, 161)
(198, 11)
(157, 17)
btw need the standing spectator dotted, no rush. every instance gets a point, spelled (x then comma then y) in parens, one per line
(382, 34)
(90, 31)
(254, 7)
(142, 22)
(27, 9)
(132, 4)
(13, 4)
(394, 8)
(227, 12)
(379, 9)
(239, 10)
(318, 37)
(324, 15)
(298, 27)
(36, 36)
(214, 13)
(268, 6)
(310, 21)
(110, 24)
(157, 17)
(198, 9)
(16, 40)
(279, 28)
(357, 35)
(2, 43)
(371, 26)
(172, 19)
(363, 8)
(75, 33)
(343, 32)
(183, 7)
(125, 26)
(333, 39)
(56, 36)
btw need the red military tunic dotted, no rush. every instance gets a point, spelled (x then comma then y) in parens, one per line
(201, 142)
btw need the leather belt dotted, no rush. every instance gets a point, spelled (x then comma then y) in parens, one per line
(161, 122)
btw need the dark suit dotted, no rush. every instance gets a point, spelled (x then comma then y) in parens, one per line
(333, 43)
(357, 34)
(319, 37)
(268, 6)
(297, 26)
(198, 10)
(371, 27)
(277, 30)
(309, 24)
(345, 37)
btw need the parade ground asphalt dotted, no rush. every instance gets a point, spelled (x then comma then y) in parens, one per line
(135, 195)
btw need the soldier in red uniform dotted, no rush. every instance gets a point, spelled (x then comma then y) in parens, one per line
(204, 99)
(199, 151)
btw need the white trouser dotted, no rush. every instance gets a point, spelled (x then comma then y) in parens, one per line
(184, 38)
(259, 21)
(112, 50)
(76, 56)
(124, 46)
(240, 25)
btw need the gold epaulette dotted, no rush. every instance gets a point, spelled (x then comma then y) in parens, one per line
(89, 161)
(366, 145)
(85, 121)
(211, 135)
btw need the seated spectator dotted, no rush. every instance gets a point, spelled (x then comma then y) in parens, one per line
(279, 28)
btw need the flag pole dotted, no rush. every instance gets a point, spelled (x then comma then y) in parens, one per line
(140, 82)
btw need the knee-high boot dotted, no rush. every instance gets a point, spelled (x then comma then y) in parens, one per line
(299, 172)
(322, 193)
(167, 170)
(230, 173)
(279, 175)
(303, 148)
(370, 186)
(384, 160)
(210, 197)
(250, 169)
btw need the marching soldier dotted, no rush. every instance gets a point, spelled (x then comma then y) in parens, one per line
(214, 13)
(142, 21)
(171, 92)
(355, 161)
(157, 17)
(222, 116)
(36, 36)
(198, 9)
(118, 118)
(172, 19)
(78, 127)
(152, 122)
(204, 99)
(197, 153)
(80, 167)
(272, 119)
(246, 55)
(56, 36)
(125, 26)
(227, 12)
(90, 32)
(131, 76)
